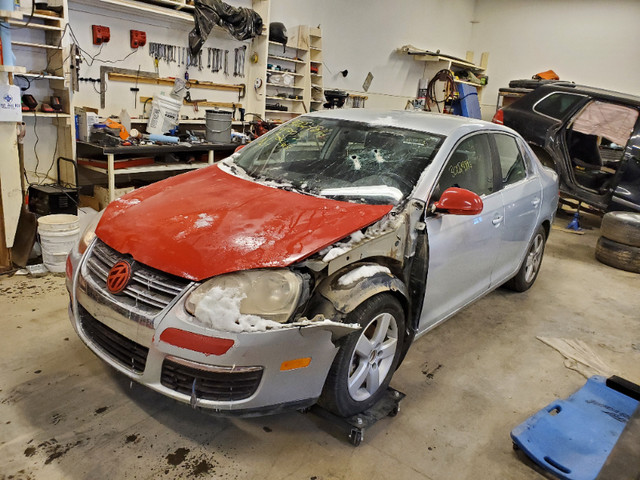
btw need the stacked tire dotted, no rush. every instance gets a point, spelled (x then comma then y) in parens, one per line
(619, 244)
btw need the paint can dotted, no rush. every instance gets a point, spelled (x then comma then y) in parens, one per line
(218, 125)
(58, 235)
(163, 115)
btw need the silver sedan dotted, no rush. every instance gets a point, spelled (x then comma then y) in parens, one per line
(302, 268)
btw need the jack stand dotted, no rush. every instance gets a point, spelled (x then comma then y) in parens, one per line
(574, 224)
(387, 406)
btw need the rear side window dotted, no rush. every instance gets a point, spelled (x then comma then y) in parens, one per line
(557, 104)
(511, 161)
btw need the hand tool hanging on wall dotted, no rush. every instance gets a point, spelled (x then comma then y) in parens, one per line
(168, 53)
(238, 67)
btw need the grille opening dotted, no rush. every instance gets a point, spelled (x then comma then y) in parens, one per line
(149, 290)
(126, 352)
(218, 386)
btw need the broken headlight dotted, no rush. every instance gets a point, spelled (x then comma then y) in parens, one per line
(89, 233)
(269, 294)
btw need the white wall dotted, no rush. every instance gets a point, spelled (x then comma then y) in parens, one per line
(158, 30)
(587, 41)
(591, 42)
(362, 37)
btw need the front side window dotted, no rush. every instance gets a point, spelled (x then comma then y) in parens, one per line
(469, 167)
(345, 160)
(511, 161)
(557, 104)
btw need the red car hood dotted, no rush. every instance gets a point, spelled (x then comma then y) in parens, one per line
(208, 222)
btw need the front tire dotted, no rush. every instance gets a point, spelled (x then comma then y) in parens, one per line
(530, 267)
(362, 369)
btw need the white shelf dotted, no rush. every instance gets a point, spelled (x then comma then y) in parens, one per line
(37, 26)
(6, 14)
(469, 83)
(288, 46)
(35, 45)
(191, 121)
(150, 8)
(149, 168)
(286, 59)
(46, 114)
(290, 73)
(280, 112)
(40, 16)
(40, 75)
(13, 69)
(285, 99)
(283, 86)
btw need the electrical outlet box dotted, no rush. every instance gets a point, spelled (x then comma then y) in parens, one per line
(100, 34)
(138, 39)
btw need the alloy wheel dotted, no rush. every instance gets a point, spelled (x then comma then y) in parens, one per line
(373, 356)
(534, 258)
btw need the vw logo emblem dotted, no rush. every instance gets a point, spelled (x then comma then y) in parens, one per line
(119, 277)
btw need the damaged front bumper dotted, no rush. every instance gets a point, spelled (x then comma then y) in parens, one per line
(259, 373)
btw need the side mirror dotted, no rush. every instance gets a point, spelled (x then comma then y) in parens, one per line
(458, 201)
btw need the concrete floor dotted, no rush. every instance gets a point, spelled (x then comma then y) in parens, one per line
(66, 415)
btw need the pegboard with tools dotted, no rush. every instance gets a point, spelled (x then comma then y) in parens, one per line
(217, 58)
(181, 56)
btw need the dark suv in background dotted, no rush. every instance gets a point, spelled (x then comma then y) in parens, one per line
(590, 136)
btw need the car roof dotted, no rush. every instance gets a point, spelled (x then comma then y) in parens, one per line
(430, 122)
(591, 91)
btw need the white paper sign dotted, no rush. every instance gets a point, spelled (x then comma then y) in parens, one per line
(10, 104)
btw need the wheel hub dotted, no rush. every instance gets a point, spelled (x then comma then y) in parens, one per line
(373, 357)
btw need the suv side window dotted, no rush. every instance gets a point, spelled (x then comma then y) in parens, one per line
(469, 167)
(511, 161)
(557, 104)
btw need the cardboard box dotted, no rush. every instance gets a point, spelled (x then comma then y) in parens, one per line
(87, 201)
(102, 194)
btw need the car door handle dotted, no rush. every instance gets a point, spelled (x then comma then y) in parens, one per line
(535, 202)
(497, 220)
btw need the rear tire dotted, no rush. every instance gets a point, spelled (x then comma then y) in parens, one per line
(618, 255)
(622, 227)
(367, 359)
(530, 267)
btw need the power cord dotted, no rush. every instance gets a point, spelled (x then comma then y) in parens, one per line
(445, 76)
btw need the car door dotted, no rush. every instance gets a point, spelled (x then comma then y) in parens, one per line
(521, 192)
(462, 249)
(626, 195)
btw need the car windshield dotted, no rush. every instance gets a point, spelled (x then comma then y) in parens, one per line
(345, 160)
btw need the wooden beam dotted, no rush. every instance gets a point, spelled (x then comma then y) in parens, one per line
(203, 103)
(121, 77)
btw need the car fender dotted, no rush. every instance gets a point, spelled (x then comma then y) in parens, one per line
(345, 299)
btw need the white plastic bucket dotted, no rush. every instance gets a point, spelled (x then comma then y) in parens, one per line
(218, 124)
(163, 115)
(58, 235)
